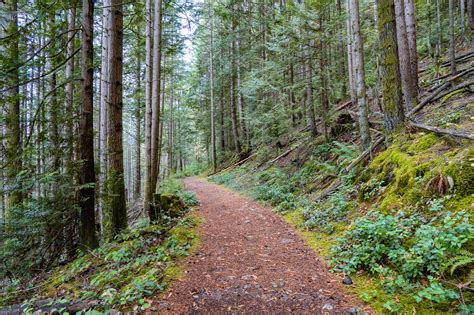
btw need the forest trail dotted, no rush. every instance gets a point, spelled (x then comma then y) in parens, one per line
(251, 261)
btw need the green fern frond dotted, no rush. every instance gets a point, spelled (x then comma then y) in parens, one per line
(463, 258)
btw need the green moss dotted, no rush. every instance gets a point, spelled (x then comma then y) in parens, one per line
(461, 169)
(423, 143)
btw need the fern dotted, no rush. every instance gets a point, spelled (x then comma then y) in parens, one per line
(463, 258)
(345, 152)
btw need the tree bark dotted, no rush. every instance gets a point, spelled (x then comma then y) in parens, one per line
(309, 92)
(389, 68)
(12, 98)
(452, 43)
(408, 83)
(411, 36)
(470, 14)
(360, 74)
(87, 231)
(211, 83)
(104, 95)
(463, 21)
(155, 104)
(69, 101)
(233, 96)
(137, 182)
(115, 215)
(350, 57)
(148, 190)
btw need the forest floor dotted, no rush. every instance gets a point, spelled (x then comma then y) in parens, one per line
(251, 261)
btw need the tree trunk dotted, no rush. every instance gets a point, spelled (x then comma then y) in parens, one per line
(88, 236)
(104, 95)
(155, 104)
(115, 215)
(389, 68)
(470, 14)
(233, 96)
(350, 57)
(12, 98)
(411, 36)
(438, 28)
(69, 102)
(463, 21)
(404, 57)
(309, 92)
(148, 190)
(359, 66)
(138, 123)
(211, 83)
(452, 43)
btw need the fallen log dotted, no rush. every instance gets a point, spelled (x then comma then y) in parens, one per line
(442, 131)
(364, 154)
(436, 95)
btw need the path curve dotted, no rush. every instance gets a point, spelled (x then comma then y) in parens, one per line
(251, 262)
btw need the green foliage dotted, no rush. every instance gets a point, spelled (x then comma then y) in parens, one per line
(405, 249)
(123, 273)
(173, 185)
(320, 215)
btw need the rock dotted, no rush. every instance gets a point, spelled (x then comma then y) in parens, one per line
(347, 280)
(353, 311)
(327, 307)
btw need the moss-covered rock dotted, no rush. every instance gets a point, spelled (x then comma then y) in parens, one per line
(169, 204)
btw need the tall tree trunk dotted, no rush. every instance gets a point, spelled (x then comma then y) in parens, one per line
(340, 50)
(438, 28)
(463, 19)
(148, 191)
(233, 96)
(211, 88)
(104, 95)
(115, 215)
(88, 236)
(155, 90)
(359, 66)
(240, 95)
(404, 57)
(69, 102)
(470, 15)
(452, 42)
(389, 68)
(138, 123)
(163, 92)
(410, 22)
(350, 57)
(12, 98)
(171, 126)
(309, 92)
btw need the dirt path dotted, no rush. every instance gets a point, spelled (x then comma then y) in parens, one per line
(251, 262)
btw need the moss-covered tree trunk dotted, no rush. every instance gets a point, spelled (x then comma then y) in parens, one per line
(10, 54)
(389, 67)
(115, 214)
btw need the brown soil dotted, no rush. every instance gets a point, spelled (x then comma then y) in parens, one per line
(251, 262)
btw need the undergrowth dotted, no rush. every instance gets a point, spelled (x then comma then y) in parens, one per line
(402, 228)
(119, 275)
